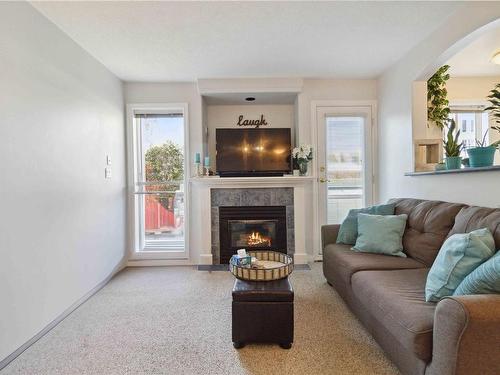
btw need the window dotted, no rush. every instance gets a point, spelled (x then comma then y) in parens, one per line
(160, 181)
(474, 125)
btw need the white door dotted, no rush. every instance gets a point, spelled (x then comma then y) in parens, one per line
(345, 161)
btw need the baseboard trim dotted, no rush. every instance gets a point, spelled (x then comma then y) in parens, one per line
(16, 353)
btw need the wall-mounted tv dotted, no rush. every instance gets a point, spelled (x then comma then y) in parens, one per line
(253, 152)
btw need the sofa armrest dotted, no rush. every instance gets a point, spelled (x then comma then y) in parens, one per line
(466, 337)
(329, 234)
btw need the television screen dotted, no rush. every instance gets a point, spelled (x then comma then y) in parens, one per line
(253, 152)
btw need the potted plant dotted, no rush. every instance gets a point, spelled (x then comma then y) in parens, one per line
(481, 155)
(494, 108)
(437, 102)
(452, 148)
(302, 156)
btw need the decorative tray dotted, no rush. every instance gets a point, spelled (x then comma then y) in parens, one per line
(271, 265)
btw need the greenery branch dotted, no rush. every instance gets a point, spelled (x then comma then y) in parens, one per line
(438, 108)
(494, 108)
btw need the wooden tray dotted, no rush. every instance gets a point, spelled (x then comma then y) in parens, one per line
(277, 266)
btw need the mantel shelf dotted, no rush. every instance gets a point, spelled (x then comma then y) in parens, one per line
(454, 171)
(265, 181)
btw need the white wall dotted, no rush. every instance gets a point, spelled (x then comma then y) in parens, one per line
(226, 116)
(212, 116)
(395, 116)
(329, 89)
(470, 89)
(62, 225)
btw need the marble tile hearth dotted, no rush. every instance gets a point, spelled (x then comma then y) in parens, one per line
(236, 197)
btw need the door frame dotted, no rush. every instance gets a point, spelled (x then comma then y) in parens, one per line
(134, 220)
(316, 105)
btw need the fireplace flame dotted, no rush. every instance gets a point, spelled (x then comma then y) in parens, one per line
(256, 239)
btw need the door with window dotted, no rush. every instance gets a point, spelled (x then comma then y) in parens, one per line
(345, 161)
(160, 198)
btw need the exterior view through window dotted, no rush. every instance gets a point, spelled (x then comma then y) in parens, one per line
(160, 180)
(344, 166)
(473, 126)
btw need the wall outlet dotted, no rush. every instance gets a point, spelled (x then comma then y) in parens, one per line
(107, 173)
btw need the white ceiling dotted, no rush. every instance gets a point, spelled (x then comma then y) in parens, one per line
(184, 41)
(475, 59)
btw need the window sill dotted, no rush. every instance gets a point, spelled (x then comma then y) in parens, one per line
(454, 171)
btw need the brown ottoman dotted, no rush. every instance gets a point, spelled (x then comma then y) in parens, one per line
(263, 312)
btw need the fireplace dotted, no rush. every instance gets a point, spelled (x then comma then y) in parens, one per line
(251, 228)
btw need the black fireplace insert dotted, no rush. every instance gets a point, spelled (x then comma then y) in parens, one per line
(251, 228)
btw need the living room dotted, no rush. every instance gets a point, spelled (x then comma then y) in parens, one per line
(201, 187)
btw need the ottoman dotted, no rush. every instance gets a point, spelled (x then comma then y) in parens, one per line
(262, 312)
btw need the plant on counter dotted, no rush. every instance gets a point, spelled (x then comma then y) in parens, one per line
(483, 154)
(437, 102)
(302, 155)
(452, 148)
(494, 108)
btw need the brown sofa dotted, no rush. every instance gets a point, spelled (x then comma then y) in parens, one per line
(458, 335)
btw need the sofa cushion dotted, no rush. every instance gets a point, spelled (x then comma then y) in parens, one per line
(485, 279)
(395, 299)
(458, 257)
(381, 234)
(344, 262)
(428, 225)
(473, 217)
(348, 231)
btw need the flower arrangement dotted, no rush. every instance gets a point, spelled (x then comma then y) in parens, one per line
(302, 155)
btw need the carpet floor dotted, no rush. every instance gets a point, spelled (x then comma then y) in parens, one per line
(177, 320)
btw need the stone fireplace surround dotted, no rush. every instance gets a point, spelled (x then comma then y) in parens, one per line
(241, 197)
(290, 190)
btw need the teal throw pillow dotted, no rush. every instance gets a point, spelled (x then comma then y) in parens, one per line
(485, 279)
(348, 232)
(381, 234)
(460, 254)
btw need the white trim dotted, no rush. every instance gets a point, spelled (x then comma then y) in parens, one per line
(133, 219)
(315, 106)
(159, 262)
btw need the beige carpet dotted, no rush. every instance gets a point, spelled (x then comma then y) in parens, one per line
(177, 320)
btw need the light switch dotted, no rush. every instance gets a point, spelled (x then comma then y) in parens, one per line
(107, 172)
(108, 159)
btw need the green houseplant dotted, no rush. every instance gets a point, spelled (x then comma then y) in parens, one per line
(484, 155)
(452, 148)
(437, 102)
(494, 108)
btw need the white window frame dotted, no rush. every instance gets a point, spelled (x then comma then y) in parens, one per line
(475, 107)
(135, 216)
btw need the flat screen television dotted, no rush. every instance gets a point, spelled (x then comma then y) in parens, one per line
(253, 152)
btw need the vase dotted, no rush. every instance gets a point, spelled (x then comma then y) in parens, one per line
(453, 162)
(303, 168)
(481, 156)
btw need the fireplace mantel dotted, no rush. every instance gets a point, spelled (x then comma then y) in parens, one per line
(228, 182)
(202, 187)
